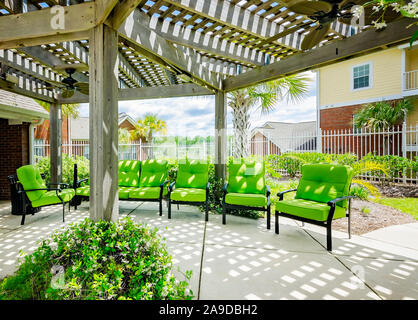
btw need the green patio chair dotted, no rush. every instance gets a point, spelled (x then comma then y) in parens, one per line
(322, 196)
(128, 177)
(246, 189)
(191, 186)
(38, 194)
(152, 183)
(81, 187)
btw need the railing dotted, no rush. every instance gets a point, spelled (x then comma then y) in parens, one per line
(399, 141)
(410, 80)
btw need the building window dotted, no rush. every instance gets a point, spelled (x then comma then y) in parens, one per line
(362, 76)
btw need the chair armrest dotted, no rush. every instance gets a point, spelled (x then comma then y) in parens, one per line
(171, 187)
(46, 189)
(58, 184)
(281, 194)
(333, 202)
(80, 181)
(162, 188)
(225, 188)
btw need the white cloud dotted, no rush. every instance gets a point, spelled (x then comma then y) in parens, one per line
(194, 116)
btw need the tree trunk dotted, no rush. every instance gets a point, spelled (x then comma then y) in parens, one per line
(241, 124)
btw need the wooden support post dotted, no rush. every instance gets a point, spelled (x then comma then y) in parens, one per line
(103, 124)
(55, 141)
(220, 135)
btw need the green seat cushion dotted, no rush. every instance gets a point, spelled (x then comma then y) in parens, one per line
(189, 194)
(192, 174)
(128, 175)
(246, 199)
(30, 178)
(324, 182)
(146, 193)
(308, 209)
(124, 192)
(153, 173)
(83, 191)
(50, 197)
(247, 177)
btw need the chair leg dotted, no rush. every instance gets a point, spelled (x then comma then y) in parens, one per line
(178, 207)
(63, 212)
(224, 214)
(161, 207)
(207, 212)
(329, 237)
(22, 222)
(268, 218)
(276, 223)
(349, 225)
(169, 208)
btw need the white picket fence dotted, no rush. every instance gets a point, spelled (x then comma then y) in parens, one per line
(399, 141)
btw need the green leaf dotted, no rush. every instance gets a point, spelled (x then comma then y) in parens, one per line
(413, 38)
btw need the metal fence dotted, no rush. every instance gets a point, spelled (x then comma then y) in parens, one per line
(398, 141)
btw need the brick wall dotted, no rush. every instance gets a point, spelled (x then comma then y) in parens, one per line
(42, 131)
(338, 118)
(14, 152)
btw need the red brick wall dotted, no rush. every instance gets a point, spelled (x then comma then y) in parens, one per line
(14, 152)
(338, 118)
(42, 131)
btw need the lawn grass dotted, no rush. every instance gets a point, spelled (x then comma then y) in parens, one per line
(407, 205)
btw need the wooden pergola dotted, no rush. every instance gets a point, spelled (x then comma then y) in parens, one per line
(143, 49)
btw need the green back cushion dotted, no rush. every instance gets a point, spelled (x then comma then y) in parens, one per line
(153, 173)
(30, 178)
(247, 177)
(324, 182)
(192, 174)
(129, 173)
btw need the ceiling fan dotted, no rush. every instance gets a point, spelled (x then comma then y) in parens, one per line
(68, 86)
(325, 12)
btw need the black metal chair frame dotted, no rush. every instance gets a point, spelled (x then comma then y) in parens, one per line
(159, 200)
(28, 203)
(327, 224)
(205, 203)
(226, 206)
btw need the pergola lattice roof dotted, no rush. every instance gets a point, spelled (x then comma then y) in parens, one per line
(161, 42)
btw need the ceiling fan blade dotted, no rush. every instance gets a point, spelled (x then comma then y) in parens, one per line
(84, 90)
(81, 85)
(67, 93)
(315, 36)
(308, 7)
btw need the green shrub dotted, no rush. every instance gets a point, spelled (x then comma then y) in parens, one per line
(83, 168)
(102, 260)
(360, 192)
(397, 166)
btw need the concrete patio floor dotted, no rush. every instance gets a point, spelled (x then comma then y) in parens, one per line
(243, 260)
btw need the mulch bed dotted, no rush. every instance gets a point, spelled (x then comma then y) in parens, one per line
(380, 216)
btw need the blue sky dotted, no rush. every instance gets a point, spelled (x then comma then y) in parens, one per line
(194, 116)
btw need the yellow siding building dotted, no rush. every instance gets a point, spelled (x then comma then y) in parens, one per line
(344, 87)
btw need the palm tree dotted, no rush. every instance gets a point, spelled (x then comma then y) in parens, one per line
(264, 97)
(67, 110)
(147, 127)
(383, 114)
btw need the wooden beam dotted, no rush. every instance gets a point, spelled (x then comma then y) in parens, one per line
(155, 48)
(129, 71)
(144, 93)
(24, 90)
(103, 124)
(55, 141)
(121, 12)
(36, 27)
(173, 91)
(360, 44)
(200, 41)
(220, 134)
(234, 16)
